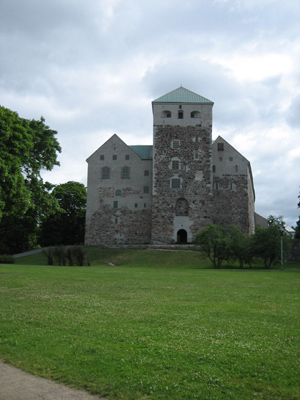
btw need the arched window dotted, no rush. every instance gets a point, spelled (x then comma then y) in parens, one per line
(182, 207)
(125, 173)
(118, 192)
(105, 173)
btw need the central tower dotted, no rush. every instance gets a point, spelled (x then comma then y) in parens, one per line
(182, 166)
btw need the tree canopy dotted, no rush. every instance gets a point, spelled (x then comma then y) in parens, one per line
(26, 148)
(66, 225)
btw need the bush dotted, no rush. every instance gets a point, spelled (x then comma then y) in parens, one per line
(5, 259)
(70, 255)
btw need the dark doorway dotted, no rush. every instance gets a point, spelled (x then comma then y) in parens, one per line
(182, 236)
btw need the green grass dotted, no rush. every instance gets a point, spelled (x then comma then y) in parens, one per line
(149, 332)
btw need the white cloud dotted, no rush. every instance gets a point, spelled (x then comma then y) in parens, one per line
(92, 69)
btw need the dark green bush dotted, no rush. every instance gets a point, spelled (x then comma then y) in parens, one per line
(67, 255)
(5, 259)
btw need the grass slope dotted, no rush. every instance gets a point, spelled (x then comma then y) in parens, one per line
(130, 332)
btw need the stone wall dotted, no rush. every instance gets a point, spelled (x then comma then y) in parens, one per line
(194, 157)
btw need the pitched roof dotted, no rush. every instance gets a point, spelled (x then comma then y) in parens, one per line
(143, 151)
(182, 95)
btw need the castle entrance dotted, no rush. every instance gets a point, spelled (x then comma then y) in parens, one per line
(182, 236)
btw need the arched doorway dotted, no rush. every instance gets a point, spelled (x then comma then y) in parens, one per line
(182, 236)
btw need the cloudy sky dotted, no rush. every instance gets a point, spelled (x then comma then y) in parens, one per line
(92, 68)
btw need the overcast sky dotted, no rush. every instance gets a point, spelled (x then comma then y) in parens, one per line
(92, 68)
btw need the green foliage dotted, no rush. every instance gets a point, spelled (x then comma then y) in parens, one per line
(65, 226)
(153, 332)
(6, 259)
(214, 243)
(241, 248)
(297, 230)
(71, 255)
(26, 147)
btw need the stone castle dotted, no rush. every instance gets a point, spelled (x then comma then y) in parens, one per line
(165, 193)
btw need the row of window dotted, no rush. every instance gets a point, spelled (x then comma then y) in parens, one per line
(116, 204)
(114, 157)
(125, 173)
(231, 186)
(180, 114)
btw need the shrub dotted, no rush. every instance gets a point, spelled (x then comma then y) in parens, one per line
(5, 259)
(49, 253)
(71, 255)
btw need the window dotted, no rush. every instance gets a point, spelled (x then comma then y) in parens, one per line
(176, 144)
(114, 157)
(102, 157)
(146, 172)
(180, 114)
(220, 146)
(116, 220)
(169, 115)
(196, 138)
(175, 164)
(217, 186)
(145, 205)
(135, 205)
(127, 157)
(192, 115)
(115, 204)
(230, 186)
(236, 168)
(230, 159)
(105, 173)
(146, 189)
(196, 156)
(118, 192)
(214, 168)
(175, 183)
(125, 173)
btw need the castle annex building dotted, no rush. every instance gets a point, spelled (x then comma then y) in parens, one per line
(168, 191)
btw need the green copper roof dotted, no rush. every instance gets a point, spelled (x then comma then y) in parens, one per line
(182, 95)
(145, 152)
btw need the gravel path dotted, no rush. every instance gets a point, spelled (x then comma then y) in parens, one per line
(16, 384)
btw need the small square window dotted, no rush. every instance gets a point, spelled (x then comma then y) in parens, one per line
(127, 157)
(102, 157)
(105, 173)
(220, 146)
(125, 173)
(146, 189)
(175, 164)
(175, 183)
(146, 172)
(114, 157)
(176, 144)
(118, 192)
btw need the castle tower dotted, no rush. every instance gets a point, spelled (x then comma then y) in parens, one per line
(182, 166)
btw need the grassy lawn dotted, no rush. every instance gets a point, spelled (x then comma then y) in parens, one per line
(141, 330)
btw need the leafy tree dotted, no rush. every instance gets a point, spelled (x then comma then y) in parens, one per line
(66, 225)
(214, 243)
(297, 233)
(267, 242)
(240, 246)
(26, 148)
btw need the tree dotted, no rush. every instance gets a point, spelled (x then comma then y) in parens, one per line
(66, 225)
(267, 242)
(26, 148)
(240, 246)
(297, 230)
(214, 244)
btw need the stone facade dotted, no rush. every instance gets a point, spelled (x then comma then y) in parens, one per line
(167, 192)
